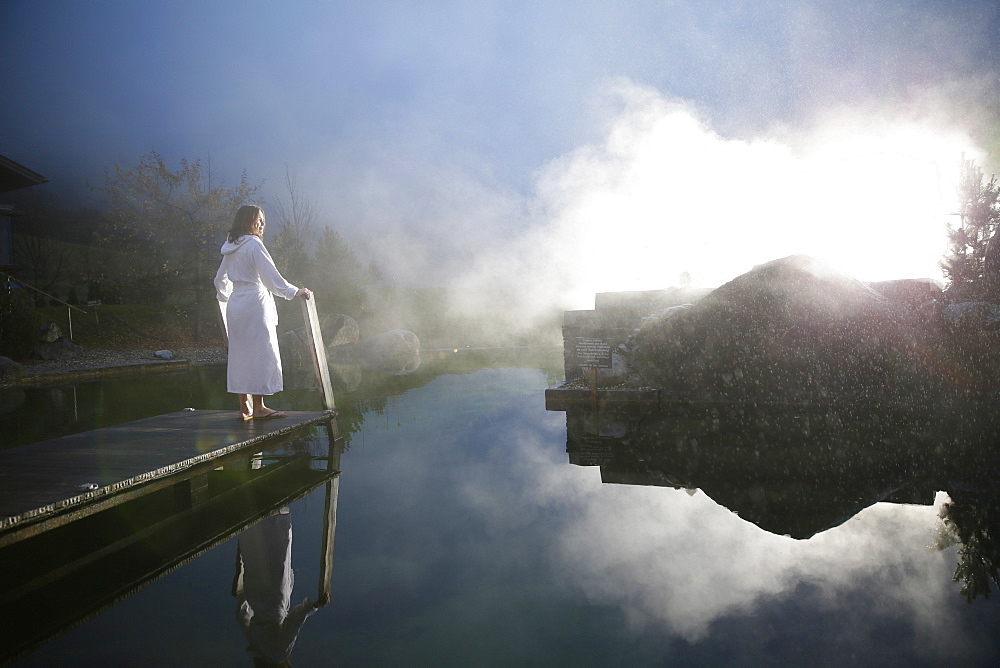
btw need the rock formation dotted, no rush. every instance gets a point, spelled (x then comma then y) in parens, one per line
(796, 331)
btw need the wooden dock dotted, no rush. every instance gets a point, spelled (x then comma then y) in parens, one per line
(71, 566)
(45, 481)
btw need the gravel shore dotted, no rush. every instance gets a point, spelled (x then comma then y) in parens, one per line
(99, 361)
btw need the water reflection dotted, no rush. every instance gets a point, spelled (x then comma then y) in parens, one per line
(796, 474)
(972, 519)
(465, 538)
(78, 566)
(263, 589)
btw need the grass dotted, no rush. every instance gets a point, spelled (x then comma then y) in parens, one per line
(128, 326)
(138, 326)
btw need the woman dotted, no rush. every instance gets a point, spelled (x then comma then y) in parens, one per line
(244, 285)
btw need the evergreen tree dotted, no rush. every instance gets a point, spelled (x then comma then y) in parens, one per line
(965, 263)
(323, 261)
(339, 274)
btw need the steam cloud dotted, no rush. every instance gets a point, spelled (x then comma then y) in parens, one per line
(661, 193)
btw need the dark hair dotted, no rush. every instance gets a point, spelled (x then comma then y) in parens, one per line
(244, 222)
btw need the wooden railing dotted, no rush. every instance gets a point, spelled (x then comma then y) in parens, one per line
(321, 364)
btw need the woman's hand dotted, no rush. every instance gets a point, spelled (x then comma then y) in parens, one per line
(304, 292)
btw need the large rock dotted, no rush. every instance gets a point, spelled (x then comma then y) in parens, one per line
(911, 292)
(975, 332)
(394, 351)
(972, 316)
(795, 331)
(60, 350)
(338, 331)
(11, 372)
(50, 333)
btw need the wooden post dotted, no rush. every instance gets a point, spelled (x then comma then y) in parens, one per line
(320, 363)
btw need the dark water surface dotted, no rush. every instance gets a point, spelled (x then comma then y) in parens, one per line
(464, 535)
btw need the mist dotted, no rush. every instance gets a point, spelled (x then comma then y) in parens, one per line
(658, 193)
(531, 154)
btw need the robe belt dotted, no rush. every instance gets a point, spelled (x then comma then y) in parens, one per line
(247, 287)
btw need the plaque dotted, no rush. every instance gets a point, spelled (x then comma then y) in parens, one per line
(592, 352)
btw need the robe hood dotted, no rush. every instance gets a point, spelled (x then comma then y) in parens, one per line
(232, 246)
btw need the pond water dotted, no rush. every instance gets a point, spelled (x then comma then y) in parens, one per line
(474, 527)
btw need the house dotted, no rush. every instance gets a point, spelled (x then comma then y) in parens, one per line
(13, 176)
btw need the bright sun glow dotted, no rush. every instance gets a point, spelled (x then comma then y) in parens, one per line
(664, 195)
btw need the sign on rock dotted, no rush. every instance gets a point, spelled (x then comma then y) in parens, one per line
(592, 352)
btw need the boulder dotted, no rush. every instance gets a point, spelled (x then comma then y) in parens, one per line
(164, 354)
(793, 331)
(972, 316)
(910, 292)
(339, 331)
(60, 350)
(974, 328)
(11, 372)
(50, 333)
(394, 351)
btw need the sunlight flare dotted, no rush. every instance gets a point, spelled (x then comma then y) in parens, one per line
(664, 194)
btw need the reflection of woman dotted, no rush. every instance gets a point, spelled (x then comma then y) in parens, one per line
(263, 589)
(245, 283)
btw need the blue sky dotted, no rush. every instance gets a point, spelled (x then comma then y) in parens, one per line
(439, 124)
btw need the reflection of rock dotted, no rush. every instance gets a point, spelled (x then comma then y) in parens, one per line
(11, 400)
(395, 351)
(794, 331)
(344, 377)
(296, 358)
(302, 376)
(789, 472)
(10, 371)
(60, 350)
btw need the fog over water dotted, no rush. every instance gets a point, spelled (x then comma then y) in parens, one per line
(572, 147)
(671, 562)
(679, 563)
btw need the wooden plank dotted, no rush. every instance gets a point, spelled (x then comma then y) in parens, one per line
(45, 478)
(317, 350)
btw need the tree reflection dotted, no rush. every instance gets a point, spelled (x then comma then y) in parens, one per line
(974, 520)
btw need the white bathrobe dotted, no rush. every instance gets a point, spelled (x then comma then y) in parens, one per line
(244, 285)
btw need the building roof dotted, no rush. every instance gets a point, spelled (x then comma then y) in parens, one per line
(14, 176)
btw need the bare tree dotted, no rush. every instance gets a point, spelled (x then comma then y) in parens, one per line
(165, 227)
(50, 262)
(296, 222)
